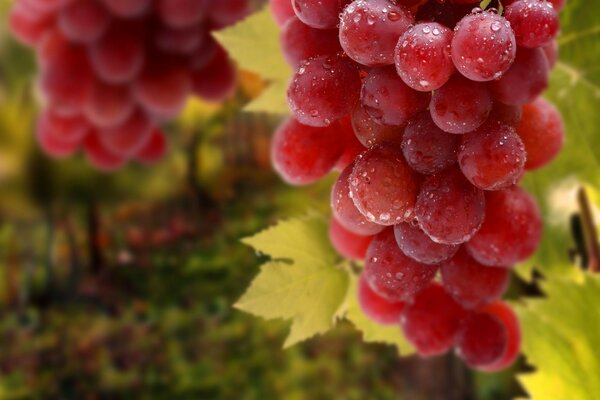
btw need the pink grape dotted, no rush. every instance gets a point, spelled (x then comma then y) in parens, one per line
(216, 80)
(162, 89)
(449, 209)
(388, 100)
(347, 243)
(426, 148)
(483, 46)
(391, 274)
(370, 132)
(300, 42)
(108, 105)
(375, 307)
(493, 156)
(382, 185)
(472, 284)
(83, 21)
(423, 58)
(369, 30)
(320, 14)
(526, 79)
(415, 244)
(511, 231)
(303, 154)
(323, 90)
(534, 22)
(460, 105)
(432, 320)
(344, 209)
(154, 150)
(542, 131)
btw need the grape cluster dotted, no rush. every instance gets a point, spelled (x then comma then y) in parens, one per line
(431, 111)
(113, 70)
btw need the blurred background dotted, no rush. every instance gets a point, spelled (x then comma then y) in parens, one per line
(120, 285)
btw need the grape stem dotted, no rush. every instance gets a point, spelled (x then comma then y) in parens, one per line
(589, 230)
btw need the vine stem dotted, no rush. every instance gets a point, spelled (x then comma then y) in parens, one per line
(589, 230)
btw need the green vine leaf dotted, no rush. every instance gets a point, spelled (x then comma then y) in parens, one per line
(254, 44)
(303, 283)
(560, 337)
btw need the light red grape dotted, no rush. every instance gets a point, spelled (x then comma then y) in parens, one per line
(415, 244)
(300, 42)
(534, 22)
(347, 243)
(375, 307)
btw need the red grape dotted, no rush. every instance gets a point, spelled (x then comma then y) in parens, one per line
(423, 58)
(370, 132)
(182, 13)
(460, 105)
(62, 129)
(108, 105)
(162, 89)
(510, 321)
(481, 340)
(542, 131)
(483, 46)
(282, 10)
(129, 138)
(216, 80)
(376, 307)
(511, 231)
(154, 149)
(382, 185)
(473, 284)
(127, 8)
(352, 147)
(323, 90)
(443, 12)
(391, 274)
(300, 42)
(427, 148)
(432, 320)
(26, 26)
(223, 13)
(388, 100)
(449, 209)
(347, 243)
(320, 14)
(83, 21)
(180, 41)
(507, 114)
(493, 156)
(99, 156)
(369, 30)
(415, 244)
(303, 154)
(344, 209)
(534, 22)
(551, 53)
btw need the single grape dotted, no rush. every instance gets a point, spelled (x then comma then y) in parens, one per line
(375, 307)
(427, 148)
(460, 105)
(352, 147)
(303, 154)
(180, 41)
(320, 14)
(154, 150)
(526, 79)
(382, 185)
(347, 243)
(432, 320)
(98, 156)
(482, 340)
(542, 131)
(493, 156)
(415, 244)
(449, 209)
(127, 8)
(162, 89)
(108, 105)
(27, 27)
(391, 274)
(323, 90)
(118, 57)
(511, 231)
(344, 209)
(83, 21)
(282, 10)
(506, 315)
(534, 22)
(507, 114)
(300, 42)
(423, 58)
(369, 30)
(370, 132)
(128, 138)
(483, 46)
(471, 283)
(223, 13)
(216, 80)
(62, 129)
(388, 100)
(182, 13)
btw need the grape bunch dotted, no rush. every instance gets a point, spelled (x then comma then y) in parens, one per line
(431, 111)
(111, 71)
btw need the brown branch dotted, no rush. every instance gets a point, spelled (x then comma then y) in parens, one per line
(589, 230)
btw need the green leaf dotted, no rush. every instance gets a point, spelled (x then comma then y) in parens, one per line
(309, 290)
(561, 338)
(371, 331)
(575, 90)
(254, 44)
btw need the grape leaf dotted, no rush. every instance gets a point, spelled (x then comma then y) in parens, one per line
(302, 283)
(560, 337)
(575, 90)
(371, 331)
(254, 44)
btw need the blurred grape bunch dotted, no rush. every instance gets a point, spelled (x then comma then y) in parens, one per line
(111, 72)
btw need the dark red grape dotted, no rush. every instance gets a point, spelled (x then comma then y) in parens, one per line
(83, 21)
(180, 41)
(223, 13)
(216, 80)
(162, 88)
(534, 22)
(154, 150)
(127, 8)
(118, 57)
(370, 132)
(481, 340)
(507, 114)
(415, 244)
(376, 307)
(108, 105)
(99, 156)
